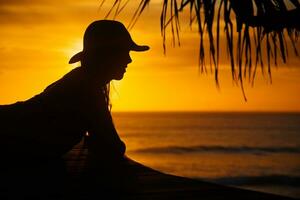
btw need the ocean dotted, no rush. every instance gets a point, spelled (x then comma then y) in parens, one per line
(257, 151)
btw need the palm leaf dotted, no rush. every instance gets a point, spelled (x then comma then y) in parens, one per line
(270, 21)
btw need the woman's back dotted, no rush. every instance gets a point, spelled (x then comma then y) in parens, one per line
(50, 123)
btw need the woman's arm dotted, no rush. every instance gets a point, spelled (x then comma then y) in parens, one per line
(103, 138)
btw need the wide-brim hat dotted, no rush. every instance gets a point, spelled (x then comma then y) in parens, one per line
(106, 34)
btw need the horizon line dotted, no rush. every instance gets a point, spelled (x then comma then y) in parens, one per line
(205, 111)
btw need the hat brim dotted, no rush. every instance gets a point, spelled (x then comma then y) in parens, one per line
(78, 56)
(136, 47)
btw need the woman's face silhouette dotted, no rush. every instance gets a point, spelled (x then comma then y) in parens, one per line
(118, 63)
(109, 64)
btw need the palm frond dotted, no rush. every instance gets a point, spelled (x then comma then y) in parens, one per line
(269, 20)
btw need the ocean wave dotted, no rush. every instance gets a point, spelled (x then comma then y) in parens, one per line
(219, 149)
(281, 180)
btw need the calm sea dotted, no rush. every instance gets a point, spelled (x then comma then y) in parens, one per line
(258, 151)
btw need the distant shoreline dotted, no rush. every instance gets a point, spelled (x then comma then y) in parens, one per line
(207, 112)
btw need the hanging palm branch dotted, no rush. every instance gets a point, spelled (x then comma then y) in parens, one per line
(271, 22)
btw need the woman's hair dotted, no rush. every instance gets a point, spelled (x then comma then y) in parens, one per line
(106, 92)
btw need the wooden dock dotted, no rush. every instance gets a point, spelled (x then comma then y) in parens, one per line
(78, 176)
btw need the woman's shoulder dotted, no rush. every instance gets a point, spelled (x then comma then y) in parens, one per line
(73, 83)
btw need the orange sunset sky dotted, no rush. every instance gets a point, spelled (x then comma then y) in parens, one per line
(39, 36)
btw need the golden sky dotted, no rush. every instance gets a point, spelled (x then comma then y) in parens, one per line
(39, 36)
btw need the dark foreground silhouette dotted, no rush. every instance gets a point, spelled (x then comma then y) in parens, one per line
(79, 176)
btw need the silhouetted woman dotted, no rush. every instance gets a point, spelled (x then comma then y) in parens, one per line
(51, 123)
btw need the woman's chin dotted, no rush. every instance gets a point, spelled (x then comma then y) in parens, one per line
(119, 77)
